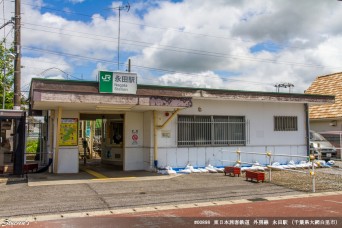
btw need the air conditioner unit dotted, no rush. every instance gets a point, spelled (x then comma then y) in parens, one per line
(333, 123)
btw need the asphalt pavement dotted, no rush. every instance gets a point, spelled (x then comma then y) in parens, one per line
(89, 195)
(314, 210)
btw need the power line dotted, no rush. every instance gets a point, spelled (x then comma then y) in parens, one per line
(180, 30)
(119, 61)
(137, 66)
(169, 71)
(56, 68)
(222, 54)
(27, 61)
(154, 27)
(179, 49)
(153, 80)
(71, 75)
(4, 41)
(196, 52)
(132, 23)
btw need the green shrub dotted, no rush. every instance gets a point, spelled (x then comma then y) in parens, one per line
(32, 146)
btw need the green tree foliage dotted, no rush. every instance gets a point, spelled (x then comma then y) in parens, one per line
(7, 80)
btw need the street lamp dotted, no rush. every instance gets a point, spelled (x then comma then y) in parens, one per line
(11, 56)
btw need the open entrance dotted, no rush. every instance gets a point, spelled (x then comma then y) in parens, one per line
(101, 141)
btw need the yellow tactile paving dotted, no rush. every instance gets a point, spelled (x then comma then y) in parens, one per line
(95, 174)
(117, 178)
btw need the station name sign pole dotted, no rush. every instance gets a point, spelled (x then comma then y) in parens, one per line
(117, 82)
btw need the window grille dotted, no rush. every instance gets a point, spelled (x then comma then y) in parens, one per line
(285, 123)
(211, 130)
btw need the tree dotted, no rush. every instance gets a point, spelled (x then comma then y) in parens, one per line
(7, 80)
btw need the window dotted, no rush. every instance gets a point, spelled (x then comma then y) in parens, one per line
(211, 130)
(285, 123)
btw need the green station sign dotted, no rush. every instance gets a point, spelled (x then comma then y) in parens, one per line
(117, 82)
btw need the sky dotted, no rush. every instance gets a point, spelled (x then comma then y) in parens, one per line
(222, 44)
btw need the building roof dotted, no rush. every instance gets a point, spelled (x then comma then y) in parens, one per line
(45, 93)
(330, 84)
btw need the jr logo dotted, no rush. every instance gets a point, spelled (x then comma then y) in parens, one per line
(106, 77)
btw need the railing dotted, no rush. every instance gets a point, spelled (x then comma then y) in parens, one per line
(269, 156)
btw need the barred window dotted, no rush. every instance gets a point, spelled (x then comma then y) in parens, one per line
(211, 130)
(285, 123)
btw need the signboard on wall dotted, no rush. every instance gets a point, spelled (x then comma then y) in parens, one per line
(135, 137)
(68, 133)
(117, 82)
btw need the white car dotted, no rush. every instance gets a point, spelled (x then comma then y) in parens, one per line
(318, 144)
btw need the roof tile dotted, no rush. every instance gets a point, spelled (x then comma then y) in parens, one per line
(327, 85)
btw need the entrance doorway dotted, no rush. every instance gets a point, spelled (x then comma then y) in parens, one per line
(101, 140)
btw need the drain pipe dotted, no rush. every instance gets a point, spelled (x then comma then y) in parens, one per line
(155, 136)
(58, 130)
(306, 109)
(155, 132)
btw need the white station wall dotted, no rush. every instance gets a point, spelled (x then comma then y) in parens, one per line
(148, 140)
(262, 136)
(134, 141)
(139, 154)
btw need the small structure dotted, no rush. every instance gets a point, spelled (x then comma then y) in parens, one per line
(148, 127)
(12, 141)
(232, 170)
(255, 175)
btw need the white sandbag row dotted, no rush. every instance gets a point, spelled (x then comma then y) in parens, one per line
(208, 169)
(255, 167)
(190, 169)
(167, 171)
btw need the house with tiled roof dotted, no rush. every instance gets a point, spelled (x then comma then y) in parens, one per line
(326, 117)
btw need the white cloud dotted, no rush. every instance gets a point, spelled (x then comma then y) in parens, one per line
(197, 37)
(308, 32)
(44, 67)
(201, 80)
(76, 1)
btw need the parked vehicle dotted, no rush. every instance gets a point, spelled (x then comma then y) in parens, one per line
(319, 144)
(335, 138)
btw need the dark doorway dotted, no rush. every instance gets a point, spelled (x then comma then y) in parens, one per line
(12, 141)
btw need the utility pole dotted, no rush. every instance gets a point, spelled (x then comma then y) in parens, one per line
(129, 65)
(17, 59)
(125, 7)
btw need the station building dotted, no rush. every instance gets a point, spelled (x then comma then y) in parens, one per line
(146, 126)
